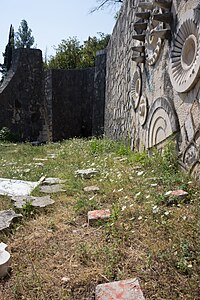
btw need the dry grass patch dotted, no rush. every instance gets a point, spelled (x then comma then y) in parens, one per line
(55, 255)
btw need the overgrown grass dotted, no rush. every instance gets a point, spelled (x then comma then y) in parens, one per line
(146, 236)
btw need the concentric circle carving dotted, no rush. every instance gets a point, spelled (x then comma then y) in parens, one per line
(143, 109)
(185, 56)
(161, 123)
(136, 87)
(153, 43)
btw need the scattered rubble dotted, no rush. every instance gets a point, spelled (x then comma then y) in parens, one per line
(173, 197)
(6, 218)
(96, 215)
(20, 201)
(54, 188)
(87, 173)
(121, 290)
(13, 187)
(91, 188)
(52, 181)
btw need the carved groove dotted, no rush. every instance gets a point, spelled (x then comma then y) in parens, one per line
(161, 123)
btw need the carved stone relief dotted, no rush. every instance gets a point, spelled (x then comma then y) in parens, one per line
(136, 87)
(151, 29)
(191, 155)
(185, 54)
(153, 43)
(161, 123)
(195, 171)
(143, 110)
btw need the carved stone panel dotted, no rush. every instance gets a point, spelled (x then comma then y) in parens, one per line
(153, 43)
(136, 87)
(191, 155)
(161, 123)
(143, 110)
(185, 54)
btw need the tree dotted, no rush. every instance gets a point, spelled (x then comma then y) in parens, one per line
(8, 53)
(67, 55)
(70, 54)
(23, 38)
(101, 4)
(90, 48)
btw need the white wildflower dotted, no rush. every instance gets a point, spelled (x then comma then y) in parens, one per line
(155, 209)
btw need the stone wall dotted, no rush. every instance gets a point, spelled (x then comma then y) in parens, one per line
(69, 97)
(153, 77)
(21, 96)
(99, 94)
(38, 105)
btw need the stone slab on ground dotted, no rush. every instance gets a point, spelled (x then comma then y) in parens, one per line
(177, 193)
(20, 201)
(87, 173)
(54, 188)
(173, 197)
(120, 290)
(96, 215)
(6, 218)
(91, 188)
(51, 181)
(13, 187)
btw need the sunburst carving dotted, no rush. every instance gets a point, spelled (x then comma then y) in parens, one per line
(185, 56)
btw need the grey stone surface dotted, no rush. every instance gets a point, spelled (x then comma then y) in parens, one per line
(91, 188)
(54, 188)
(19, 202)
(51, 181)
(13, 187)
(87, 173)
(6, 218)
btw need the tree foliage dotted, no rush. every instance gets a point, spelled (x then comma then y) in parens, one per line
(8, 53)
(24, 38)
(70, 54)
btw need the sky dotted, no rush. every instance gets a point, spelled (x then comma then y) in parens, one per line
(52, 21)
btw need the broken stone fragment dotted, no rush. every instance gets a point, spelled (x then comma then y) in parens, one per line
(55, 188)
(125, 289)
(13, 187)
(96, 215)
(173, 197)
(87, 173)
(6, 218)
(34, 201)
(91, 188)
(4, 260)
(51, 181)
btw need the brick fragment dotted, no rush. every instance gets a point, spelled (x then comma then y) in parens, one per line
(120, 290)
(96, 215)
